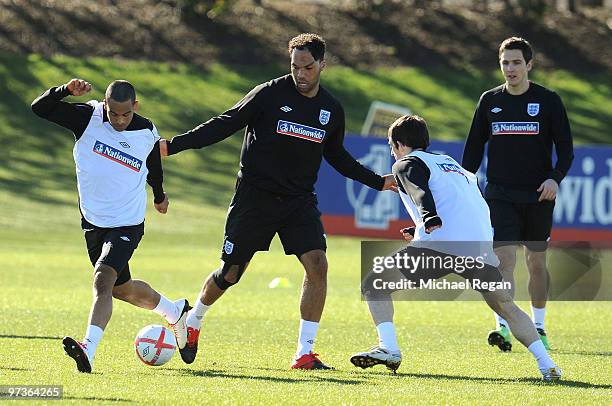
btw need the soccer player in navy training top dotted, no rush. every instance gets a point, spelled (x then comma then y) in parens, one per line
(116, 152)
(291, 124)
(521, 121)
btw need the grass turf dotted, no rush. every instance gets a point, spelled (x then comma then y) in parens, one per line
(249, 335)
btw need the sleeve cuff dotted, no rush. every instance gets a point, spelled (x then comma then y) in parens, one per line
(409, 230)
(433, 221)
(172, 147)
(158, 194)
(381, 183)
(556, 176)
(63, 91)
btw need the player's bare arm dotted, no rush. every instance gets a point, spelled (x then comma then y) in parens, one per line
(163, 147)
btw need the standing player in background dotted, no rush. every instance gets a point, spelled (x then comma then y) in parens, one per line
(521, 120)
(446, 205)
(116, 152)
(291, 124)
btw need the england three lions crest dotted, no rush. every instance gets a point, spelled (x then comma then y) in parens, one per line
(533, 109)
(228, 247)
(324, 116)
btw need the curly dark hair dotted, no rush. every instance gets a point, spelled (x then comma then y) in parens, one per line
(314, 43)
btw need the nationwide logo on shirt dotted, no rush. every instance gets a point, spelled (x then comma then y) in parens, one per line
(451, 168)
(518, 127)
(118, 156)
(300, 131)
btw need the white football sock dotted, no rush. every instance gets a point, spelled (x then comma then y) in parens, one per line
(195, 315)
(93, 335)
(538, 316)
(499, 320)
(541, 355)
(306, 339)
(387, 338)
(168, 310)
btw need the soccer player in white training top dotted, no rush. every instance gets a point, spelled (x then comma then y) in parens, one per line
(446, 205)
(116, 153)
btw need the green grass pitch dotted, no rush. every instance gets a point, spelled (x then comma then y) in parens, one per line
(250, 335)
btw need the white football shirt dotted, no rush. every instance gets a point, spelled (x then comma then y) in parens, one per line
(111, 171)
(460, 206)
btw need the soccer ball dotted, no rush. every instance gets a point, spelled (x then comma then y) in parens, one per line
(155, 345)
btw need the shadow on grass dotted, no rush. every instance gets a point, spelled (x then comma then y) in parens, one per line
(30, 337)
(305, 378)
(343, 381)
(568, 383)
(588, 353)
(99, 399)
(15, 369)
(536, 381)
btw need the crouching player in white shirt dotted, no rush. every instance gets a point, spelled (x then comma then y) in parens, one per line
(446, 205)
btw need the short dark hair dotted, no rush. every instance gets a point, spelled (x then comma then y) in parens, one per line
(410, 130)
(314, 43)
(121, 91)
(517, 43)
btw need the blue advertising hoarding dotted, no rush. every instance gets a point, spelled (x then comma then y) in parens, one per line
(583, 209)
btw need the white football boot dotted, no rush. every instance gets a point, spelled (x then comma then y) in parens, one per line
(377, 356)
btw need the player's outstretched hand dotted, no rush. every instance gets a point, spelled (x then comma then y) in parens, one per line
(408, 233)
(78, 87)
(390, 183)
(163, 147)
(549, 190)
(163, 206)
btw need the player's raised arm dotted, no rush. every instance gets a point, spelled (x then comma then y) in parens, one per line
(218, 128)
(73, 116)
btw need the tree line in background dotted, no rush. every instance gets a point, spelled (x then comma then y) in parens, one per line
(540, 7)
(532, 8)
(535, 8)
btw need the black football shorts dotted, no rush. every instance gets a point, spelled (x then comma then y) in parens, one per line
(256, 215)
(112, 246)
(528, 224)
